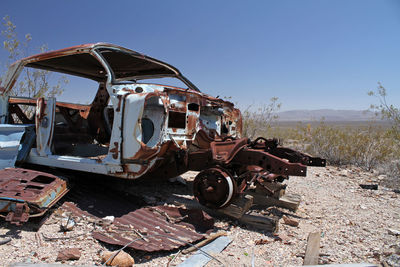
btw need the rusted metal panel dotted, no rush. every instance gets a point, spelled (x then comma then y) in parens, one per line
(187, 225)
(183, 226)
(27, 193)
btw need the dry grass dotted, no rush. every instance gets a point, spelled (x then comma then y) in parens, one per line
(366, 145)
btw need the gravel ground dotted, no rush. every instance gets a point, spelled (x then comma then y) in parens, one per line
(354, 225)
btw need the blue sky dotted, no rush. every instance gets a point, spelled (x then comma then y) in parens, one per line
(309, 54)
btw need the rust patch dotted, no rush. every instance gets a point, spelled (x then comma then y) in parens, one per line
(115, 150)
(145, 152)
(128, 90)
(41, 105)
(191, 124)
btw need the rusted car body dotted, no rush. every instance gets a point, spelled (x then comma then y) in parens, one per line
(130, 128)
(134, 129)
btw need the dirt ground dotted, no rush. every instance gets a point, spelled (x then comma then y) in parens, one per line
(356, 226)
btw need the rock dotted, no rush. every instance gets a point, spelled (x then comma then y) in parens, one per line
(67, 224)
(68, 254)
(108, 219)
(393, 232)
(122, 259)
(393, 260)
(290, 221)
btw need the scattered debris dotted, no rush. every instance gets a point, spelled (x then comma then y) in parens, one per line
(108, 220)
(302, 255)
(200, 259)
(282, 238)
(312, 251)
(393, 232)
(369, 186)
(67, 224)
(261, 241)
(290, 221)
(38, 240)
(68, 254)
(170, 260)
(204, 242)
(5, 240)
(392, 260)
(117, 258)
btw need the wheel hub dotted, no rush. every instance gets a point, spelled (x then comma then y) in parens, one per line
(214, 188)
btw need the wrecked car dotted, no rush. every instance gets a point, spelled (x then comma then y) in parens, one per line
(134, 129)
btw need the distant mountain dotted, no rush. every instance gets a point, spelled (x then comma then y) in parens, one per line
(327, 115)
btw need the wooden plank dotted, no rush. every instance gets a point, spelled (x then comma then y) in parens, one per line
(254, 220)
(288, 201)
(238, 207)
(260, 222)
(312, 250)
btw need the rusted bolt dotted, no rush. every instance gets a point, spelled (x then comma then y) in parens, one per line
(210, 189)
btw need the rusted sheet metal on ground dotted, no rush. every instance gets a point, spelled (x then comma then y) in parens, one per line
(177, 223)
(187, 225)
(27, 193)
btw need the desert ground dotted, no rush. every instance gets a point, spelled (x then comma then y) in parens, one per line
(357, 226)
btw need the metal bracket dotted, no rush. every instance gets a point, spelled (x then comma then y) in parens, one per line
(20, 215)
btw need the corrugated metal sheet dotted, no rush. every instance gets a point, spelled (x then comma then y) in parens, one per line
(178, 223)
(10, 138)
(187, 225)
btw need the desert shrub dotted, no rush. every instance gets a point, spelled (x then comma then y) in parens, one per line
(391, 171)
(390, 113)
(365, 148)
(258, 120)
(387, 111)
